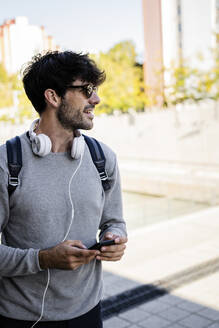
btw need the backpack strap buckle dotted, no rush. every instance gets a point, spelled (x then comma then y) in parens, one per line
(13, 181)
(14, 154)
(103, 176)
(100, 165)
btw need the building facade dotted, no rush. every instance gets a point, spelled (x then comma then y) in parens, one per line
(176, 29)
(19, 41)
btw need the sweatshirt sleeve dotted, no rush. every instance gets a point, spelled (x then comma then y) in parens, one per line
(13, 261)
(112, 216)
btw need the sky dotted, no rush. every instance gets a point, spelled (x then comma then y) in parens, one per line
(82, 25)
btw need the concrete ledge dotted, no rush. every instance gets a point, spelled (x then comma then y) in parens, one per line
(176, 181)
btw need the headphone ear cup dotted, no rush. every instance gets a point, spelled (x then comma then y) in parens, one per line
(41, 145)
(77, 148)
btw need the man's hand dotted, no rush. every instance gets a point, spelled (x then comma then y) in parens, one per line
(69, 255)
(113, 252)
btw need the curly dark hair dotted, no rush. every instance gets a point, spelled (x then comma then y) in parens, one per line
(57, 70)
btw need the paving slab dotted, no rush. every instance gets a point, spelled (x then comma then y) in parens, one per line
(154, 322)
(195, 320)
(174, 314)
(116, 323)
(135, 315)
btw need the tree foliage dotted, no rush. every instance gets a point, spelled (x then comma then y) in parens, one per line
(215, 75)
(124, 85)
(187, 83)
(13, 100)
(6, 88)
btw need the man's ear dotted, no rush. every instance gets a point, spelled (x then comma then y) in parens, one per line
(52, 98)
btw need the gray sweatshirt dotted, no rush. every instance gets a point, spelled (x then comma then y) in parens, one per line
(37, 216)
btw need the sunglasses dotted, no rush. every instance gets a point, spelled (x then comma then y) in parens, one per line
(87, 89)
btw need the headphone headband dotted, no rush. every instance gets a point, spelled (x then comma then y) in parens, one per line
(42, 145)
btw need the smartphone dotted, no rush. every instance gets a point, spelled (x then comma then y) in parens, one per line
(102, 243)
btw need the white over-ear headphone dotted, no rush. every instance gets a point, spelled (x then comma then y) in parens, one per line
(42, 145)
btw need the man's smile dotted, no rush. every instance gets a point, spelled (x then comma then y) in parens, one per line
(89, 112)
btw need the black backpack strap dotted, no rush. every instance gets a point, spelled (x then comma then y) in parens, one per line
(14, 154)
(98, 159)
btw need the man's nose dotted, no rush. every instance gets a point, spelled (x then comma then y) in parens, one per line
(94, 99)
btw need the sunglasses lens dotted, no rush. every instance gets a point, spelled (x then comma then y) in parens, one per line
(88, 91)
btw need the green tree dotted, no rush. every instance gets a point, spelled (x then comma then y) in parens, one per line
(178, 90)
(6, 84)
(186, 83)
(215, 74)
(124, 85)
(25, 108)
(10, 88)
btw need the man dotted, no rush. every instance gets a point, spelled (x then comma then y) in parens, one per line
(49, 278)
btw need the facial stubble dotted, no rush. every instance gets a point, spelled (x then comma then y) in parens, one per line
(71, 118)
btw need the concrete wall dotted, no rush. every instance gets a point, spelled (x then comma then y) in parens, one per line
(187, 135)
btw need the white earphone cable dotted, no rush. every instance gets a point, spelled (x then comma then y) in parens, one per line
(44, 296)
(72, 218)
(70, 198)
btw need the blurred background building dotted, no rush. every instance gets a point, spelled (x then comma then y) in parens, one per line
(19, 41)
(176, 30)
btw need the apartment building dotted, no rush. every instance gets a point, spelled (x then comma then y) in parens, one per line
(176, 29)
(19, 41)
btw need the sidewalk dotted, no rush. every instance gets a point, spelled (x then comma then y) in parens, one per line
(158, 251)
